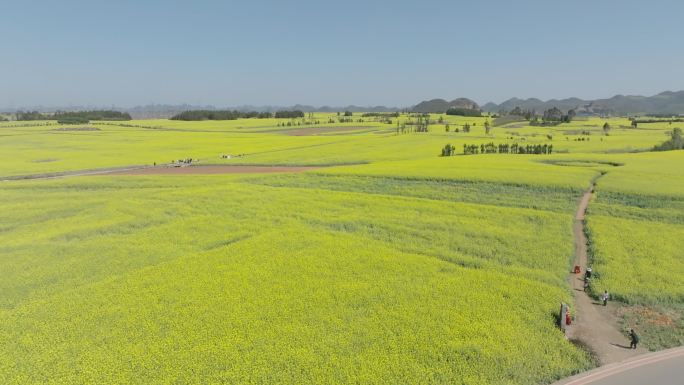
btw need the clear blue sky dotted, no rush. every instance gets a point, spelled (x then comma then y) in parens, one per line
(395, 53)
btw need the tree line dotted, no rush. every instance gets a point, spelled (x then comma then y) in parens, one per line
(505, 148)
(195, 115)
(289, 114)
(463, 112)
(83, 117)
(31, 115)
(671, 120)
(380, 115)
(65, 117)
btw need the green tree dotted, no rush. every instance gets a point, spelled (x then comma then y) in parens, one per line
(448, 150)
(606, 128)
(676, 141)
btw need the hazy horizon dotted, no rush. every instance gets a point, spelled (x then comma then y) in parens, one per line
(78, 53)
(114, 106)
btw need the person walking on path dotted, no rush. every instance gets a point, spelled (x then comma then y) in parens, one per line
(604, 297)
(635, 339)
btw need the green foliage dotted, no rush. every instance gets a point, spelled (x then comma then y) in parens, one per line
(73, 120)
(85, 116)
(289, 114)
(197, 115)
(555, 116)
(30, 115)
(606, 128)
(515, 148)
(448, 150)
(463, 112)
(676, 141)
(75, 117)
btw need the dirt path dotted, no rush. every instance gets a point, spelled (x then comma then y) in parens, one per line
(594, 326)
(212, 170)
(63, 174)
(165, 170)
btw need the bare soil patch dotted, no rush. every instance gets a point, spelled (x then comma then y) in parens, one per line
(211, 170)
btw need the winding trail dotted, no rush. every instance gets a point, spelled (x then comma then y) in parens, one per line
(594, 325)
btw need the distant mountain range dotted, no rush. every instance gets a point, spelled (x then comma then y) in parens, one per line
(668, 103)
(665, 103)
(164, 111)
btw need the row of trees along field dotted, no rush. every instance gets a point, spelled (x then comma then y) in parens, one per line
(463, 112)
(197, 115)
(415, 123)
(74, 117)
(383, 117)
(504, 148)
(670, 120)
(422, 124)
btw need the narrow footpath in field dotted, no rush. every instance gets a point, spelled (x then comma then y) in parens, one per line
(165, 169)
(63, 174)
(594, 326)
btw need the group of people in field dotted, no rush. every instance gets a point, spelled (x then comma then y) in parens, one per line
(634, 337)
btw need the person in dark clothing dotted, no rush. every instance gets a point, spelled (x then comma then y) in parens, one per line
(635, 339)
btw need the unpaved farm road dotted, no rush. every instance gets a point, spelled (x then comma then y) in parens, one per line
(594, 324)
(63, 174)
(165, 170)
(661, 368)
(597, 329)
(211, 170)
